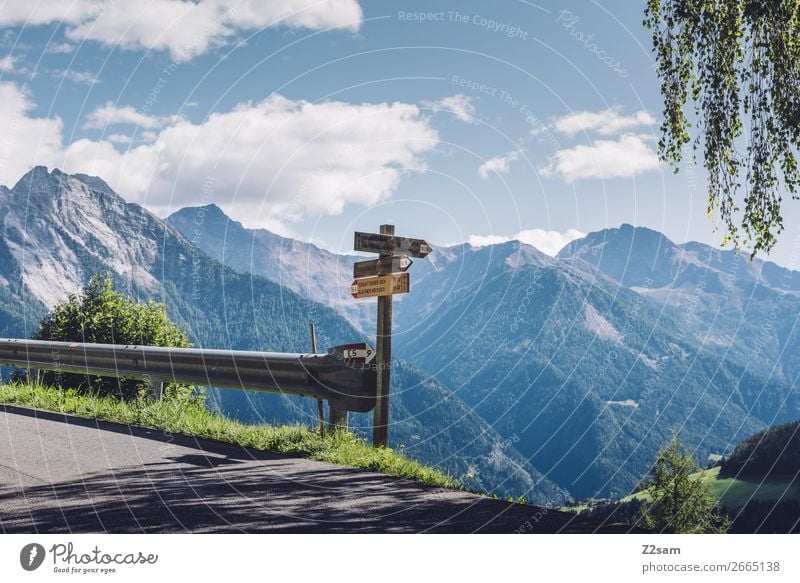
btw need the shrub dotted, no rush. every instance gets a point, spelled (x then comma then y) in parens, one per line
(101, 314)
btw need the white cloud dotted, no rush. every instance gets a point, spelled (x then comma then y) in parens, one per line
(148, 136)
(109, 114)
(605, 122)
(498, 164)
(275, 160)
(121, 139)
(24, 140)
(60, 48)
(16, 12)
(185, 28)
(486, 240)
(459, 105)
(7, 64)
(624, 157)
(548, 242)
(80, 77)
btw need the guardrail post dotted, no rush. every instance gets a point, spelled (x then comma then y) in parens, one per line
(33, 376)
(337, 418)
(320, 406)
(155, 390)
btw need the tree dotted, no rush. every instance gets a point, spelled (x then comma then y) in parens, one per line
(775, 451)
(739, 59)
(680, 503)
(101, 314)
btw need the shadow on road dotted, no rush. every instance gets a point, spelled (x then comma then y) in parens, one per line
(196, 485)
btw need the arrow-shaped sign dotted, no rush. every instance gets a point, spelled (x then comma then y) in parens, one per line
(380, 285)
(358, 353)
(381, 266)
(389, 244)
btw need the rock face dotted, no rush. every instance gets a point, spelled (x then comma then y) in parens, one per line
(56, 227)
(304, 268)
(736, 308)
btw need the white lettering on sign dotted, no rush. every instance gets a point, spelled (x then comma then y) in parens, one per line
(360, 352)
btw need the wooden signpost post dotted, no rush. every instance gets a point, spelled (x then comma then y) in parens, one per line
(384, 277)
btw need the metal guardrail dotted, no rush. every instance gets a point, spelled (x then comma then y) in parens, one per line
(344, 384)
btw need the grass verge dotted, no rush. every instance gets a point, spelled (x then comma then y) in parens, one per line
(193, 419)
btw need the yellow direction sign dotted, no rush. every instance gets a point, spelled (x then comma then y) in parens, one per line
(380, 285)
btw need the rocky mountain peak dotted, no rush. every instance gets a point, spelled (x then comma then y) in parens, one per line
(37, 180)
(59, 229)
(632, 256)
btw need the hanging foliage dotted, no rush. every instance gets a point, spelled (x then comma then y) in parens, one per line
(739, 62)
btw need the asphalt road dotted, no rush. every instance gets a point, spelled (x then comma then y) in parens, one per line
(66, 474)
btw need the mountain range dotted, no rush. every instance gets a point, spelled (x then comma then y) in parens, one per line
(588, 361)
(58, 230)
(518, 372)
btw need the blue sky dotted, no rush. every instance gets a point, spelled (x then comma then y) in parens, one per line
(455, 120)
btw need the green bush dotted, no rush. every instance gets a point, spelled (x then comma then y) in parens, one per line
(102, 315)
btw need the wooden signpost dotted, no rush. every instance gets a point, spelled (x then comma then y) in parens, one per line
(382, 278)
(380, 285)
(381, 266)
(388, 244)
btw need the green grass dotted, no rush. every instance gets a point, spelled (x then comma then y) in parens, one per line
(736, 492)
(193, 419)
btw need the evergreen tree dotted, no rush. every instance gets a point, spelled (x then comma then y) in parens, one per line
(680, 503)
